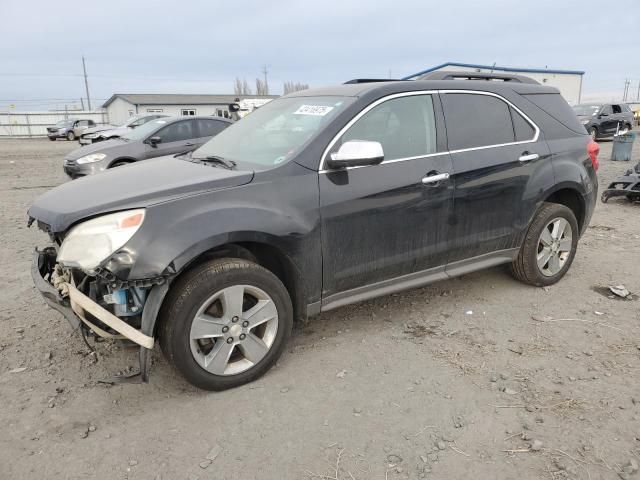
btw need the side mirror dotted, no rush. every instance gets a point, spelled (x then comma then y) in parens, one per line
(357, 153)
(603, 115)
(153, 141)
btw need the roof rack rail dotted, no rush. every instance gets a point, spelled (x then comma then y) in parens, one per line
(451, 75)
(372, 80)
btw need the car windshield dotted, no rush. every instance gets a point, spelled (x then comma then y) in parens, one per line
(143, 131)
(274, 133)
(64, 123)
(586, 110)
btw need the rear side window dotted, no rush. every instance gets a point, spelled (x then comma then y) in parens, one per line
(176, 132)
(523, 130)
(405, 127)
(209, 128)
(555, 106)
(477, 121)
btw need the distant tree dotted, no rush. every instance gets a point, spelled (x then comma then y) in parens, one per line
(262, 87)
(290, 87)
(241, 87)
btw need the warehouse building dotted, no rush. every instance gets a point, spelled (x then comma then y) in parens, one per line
(121, 106)
(569, 82)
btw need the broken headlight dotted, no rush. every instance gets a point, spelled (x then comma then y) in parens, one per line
(93, 241)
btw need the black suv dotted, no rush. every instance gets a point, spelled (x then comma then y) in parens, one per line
(604, 120)
(319, 199)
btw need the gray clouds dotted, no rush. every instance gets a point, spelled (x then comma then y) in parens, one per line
(200, 47)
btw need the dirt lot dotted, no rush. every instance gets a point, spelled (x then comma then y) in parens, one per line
(479, 377)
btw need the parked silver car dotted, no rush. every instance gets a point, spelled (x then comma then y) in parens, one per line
(69, 129)
(108, 131)
(163, 136)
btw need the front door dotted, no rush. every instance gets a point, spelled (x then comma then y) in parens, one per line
(497, 158)
(608, 121)
(177, 137)
(382, 222)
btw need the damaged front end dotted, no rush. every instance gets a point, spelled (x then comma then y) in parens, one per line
(95, 300)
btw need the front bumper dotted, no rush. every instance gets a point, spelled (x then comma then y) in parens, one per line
(77, 307)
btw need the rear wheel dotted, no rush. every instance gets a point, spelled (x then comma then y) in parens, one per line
(225, 323)
(549, 246)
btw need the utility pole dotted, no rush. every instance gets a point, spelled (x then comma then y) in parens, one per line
(86, 83)
(638, 94)
(265, 71)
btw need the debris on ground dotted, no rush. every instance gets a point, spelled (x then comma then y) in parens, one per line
(620, 291)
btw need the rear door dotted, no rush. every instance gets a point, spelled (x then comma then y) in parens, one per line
(497, 154)
(382, 222)
(177, 137)
(207, 128)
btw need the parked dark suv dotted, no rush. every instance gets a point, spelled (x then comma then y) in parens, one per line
(319, 199)
(604, 120)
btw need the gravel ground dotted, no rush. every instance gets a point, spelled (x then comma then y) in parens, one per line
(476, 377)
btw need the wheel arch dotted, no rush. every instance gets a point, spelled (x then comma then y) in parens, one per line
(264, 253)
(572, 198)
(121, 159)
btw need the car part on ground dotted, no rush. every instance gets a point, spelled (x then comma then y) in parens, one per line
(319, 199)
(627, 185)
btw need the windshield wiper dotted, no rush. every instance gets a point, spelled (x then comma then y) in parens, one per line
(228, 164)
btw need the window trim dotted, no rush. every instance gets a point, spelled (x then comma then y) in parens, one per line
(326, 151)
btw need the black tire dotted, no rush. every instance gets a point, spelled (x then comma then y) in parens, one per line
(71, 136)
(53, 139)
(525, 267)
(191, 291)
(593, 131)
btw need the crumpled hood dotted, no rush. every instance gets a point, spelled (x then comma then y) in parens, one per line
(99, 128)
(132, 186)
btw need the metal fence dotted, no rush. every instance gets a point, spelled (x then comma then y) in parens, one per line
(34, 124)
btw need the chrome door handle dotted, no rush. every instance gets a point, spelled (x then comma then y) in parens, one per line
(528, 157)
(435, 178)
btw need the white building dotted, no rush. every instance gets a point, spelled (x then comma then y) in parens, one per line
(121, 106)
(569, 82)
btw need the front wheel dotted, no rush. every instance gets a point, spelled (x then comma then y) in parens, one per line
(71, 136)
(225, 323)
(593, 131)
(549, 246)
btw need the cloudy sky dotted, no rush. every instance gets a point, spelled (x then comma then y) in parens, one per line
(186, 46)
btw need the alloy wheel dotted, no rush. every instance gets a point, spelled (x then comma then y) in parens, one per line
(233, 330)
(554, 246)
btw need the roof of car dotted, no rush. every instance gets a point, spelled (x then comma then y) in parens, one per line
(191, 117)
(399, 86)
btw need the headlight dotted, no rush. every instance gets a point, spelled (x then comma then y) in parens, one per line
(93, 241)
(584, 122)
(94, 157)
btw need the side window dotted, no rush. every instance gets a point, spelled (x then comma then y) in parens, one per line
(209, 128)
(477, 121)
(176, 132)
(524, 130)
(405, 126)
(606, 110)
(616, 108)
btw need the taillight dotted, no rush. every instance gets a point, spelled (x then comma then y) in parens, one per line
(593, 149)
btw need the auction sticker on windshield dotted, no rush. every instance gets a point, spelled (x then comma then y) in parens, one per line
(318, 110)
